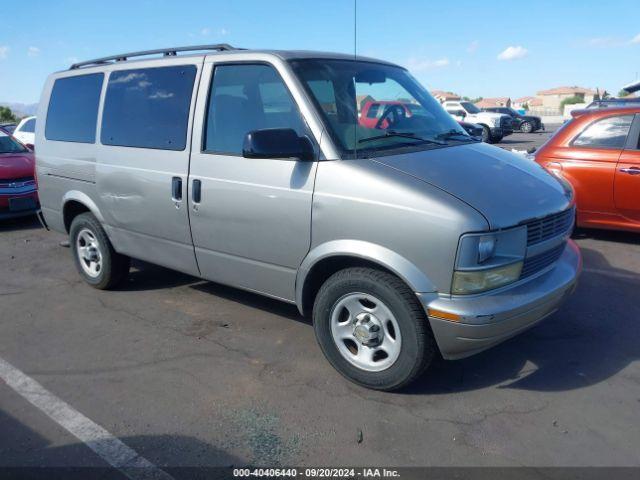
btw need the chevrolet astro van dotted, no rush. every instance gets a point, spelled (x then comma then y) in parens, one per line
(403, 237)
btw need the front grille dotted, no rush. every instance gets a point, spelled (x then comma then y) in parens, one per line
(17, 182)
(541, 261)
(549, 226)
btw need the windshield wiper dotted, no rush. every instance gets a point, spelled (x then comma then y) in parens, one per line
(412, 136)
(454, 133)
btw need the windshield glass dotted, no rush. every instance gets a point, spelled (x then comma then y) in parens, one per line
(470, 107)
(371, 107)
(9, 145)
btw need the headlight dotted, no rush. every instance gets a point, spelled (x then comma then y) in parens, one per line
(483, 280)
(489, 260)
(486, 248)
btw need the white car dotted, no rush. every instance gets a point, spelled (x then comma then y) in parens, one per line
(26, 131)
(495, 126)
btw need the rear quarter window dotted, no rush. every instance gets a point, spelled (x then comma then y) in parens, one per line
(148, 108)
(73, 108)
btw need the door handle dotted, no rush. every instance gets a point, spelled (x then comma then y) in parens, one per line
(631, 170)
(196, 191)
(176, 189)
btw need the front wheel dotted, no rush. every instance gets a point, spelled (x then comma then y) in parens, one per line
(96, 260)
(486, 134)
(372, 328)
(526, 127)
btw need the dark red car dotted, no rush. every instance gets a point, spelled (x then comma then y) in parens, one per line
(598, 152)
(18, 192)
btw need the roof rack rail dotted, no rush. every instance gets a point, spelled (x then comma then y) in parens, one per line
(167, 52)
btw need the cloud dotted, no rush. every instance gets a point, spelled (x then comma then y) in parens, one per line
(33, 51)
(513, 53)
(205, 32)
(473, 46)
(128, 78)
(611, 42)
(416, 65)
(4, 52)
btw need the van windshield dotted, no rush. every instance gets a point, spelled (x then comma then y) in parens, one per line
(372, 108)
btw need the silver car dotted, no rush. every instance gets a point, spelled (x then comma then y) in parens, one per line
(271, 171)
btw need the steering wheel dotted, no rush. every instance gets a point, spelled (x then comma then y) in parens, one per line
(392, 114)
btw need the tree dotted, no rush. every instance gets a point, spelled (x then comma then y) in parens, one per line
(6, 115)
(571, 101)
(623, 93)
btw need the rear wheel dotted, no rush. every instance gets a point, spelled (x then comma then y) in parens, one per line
(372, 328)
(96, 260)
(526, 127)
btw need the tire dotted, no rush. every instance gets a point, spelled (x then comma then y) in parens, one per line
(526, 127)
(96, 260)
(495, 139)
(486, 134)
(404, 334)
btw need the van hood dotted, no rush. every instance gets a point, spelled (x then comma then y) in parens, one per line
(504, 187)
(16, 165)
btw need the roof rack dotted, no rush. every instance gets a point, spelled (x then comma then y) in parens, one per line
(167, 52)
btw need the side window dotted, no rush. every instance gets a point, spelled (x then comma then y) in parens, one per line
(610, 132)
(29, 126)
(245, 98)
(373, 110)
(73, 109)
(148, 108)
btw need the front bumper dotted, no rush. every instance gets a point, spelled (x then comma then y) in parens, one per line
(9, 209)
(488, 319)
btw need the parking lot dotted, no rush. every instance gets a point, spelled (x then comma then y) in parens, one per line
(191, 373)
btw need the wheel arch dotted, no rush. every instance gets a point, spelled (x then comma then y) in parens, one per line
(326, 259)
(74, 203)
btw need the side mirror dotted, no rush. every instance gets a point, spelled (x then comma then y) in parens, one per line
(282, 143)
(462, 113)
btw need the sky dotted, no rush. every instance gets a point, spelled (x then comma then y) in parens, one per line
(472, 48)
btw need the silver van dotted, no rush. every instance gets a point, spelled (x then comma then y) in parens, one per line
(331, 182)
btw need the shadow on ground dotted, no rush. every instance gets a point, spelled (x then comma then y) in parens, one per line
(26, 454)
(20, 223)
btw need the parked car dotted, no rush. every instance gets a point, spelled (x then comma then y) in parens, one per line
(8, 127)
(472, 129)
(495, 126)
(25, 131)
(598, 152)
(520, 122)
(18, 193)
(253, 169)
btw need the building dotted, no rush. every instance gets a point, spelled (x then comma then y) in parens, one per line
(494, 102)
(443, 96)
(552, 98)
(523, 102)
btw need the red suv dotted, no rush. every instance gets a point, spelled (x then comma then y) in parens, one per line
(598, 152)
(18, 193)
